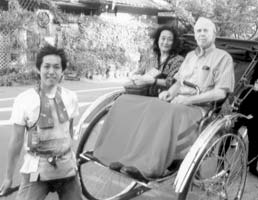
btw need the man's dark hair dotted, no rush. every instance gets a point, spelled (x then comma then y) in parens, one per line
(51, 50)
(175, 46)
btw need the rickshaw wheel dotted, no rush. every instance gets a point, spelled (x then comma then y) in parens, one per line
(221, 171)
(99, 182)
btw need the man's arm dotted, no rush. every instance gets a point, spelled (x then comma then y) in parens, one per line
(14, 149)
(209, 96)
(224, 83)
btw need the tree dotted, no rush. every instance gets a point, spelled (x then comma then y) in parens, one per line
(234, 18)
(102, 42)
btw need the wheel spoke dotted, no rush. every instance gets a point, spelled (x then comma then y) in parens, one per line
(221, 173)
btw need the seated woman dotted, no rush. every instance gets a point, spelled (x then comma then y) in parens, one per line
(158, 71)
(141, 136)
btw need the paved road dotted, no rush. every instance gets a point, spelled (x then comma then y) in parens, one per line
(87, 93)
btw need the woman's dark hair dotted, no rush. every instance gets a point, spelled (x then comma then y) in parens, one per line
(51, 50)
(176, 42)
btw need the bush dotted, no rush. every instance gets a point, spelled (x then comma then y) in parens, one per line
(18, 74)
(96, 44)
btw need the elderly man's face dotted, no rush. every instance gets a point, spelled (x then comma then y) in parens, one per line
(204, 34)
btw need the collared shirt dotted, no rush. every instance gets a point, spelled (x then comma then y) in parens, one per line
(25, 112)
(208, 69)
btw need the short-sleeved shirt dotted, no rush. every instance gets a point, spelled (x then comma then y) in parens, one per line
(168, 68)
(25, 112)
(211, 69)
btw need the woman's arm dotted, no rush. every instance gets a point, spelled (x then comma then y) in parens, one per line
(14, 149)
(171, 69)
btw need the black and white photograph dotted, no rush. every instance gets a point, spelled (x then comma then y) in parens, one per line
(128, 99)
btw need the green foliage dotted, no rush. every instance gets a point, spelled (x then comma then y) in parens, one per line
(234, 18)
(101, 43)
(93, 44)
(18, 74)
(15, 18)
(13, 23)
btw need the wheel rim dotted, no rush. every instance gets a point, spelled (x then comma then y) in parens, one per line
(221, 173)
(102, 183)
(99, 182)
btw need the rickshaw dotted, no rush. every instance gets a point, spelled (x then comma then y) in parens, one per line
(215, 167)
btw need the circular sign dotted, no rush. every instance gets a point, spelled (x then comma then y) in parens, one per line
(43, 19)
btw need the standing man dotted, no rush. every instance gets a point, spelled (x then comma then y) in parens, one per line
(44, 117)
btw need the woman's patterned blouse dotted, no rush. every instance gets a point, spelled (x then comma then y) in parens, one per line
(168, 71)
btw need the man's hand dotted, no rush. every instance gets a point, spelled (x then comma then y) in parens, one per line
(6, 185)
(165, 96)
